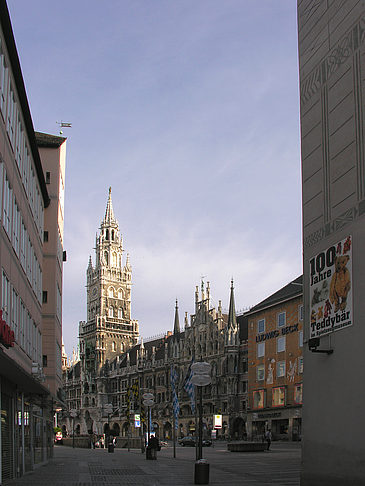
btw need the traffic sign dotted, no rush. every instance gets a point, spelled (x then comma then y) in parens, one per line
(148, 403)
(147, 396)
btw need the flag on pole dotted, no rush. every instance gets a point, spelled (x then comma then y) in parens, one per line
(189, 387)
(175, 400)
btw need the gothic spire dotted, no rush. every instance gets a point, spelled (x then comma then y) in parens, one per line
(109, 213)
(232, 322)
(176, 323)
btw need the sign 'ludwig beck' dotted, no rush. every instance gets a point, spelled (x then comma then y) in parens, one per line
(330, 289)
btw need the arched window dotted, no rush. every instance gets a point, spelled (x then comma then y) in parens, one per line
(111, 312)
(107, 234)
(120, 313)
(114, 259)
(120, 294)
(112, 235)
(111, 292)
(106, 257)
(114, 347)
(122, 347)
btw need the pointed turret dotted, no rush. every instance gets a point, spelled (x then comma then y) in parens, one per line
(109, 213)
(232, 321)
(176, 322)
(231, 334)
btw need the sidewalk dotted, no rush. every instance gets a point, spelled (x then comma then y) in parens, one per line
(91, 467)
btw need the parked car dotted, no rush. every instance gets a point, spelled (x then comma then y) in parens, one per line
(191, 441)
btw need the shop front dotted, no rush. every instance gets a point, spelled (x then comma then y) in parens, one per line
(26, 432)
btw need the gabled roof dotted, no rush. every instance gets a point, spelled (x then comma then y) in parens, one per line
(291, 290)
(45, 140)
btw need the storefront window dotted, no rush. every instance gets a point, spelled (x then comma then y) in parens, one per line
(278, 396)
(259, 399)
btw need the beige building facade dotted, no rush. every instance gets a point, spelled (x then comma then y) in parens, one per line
(52, 150)
(331, 38)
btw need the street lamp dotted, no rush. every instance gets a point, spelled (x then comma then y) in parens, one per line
(201, 377)
(148, 401)
(73, 413)
(108, 408)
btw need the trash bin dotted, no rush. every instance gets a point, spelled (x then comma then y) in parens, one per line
(201, 472)
(110, 447)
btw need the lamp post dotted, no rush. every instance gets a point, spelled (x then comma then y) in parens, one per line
(108, 408)
(73, 413)
(201, 377)
(148, 401)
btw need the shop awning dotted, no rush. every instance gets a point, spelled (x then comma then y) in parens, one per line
(14, 373)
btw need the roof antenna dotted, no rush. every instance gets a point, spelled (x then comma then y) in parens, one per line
(63, 124)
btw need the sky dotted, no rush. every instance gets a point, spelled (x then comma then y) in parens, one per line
(189, 110)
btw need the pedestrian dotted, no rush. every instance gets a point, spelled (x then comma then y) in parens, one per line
(268, 437)
(154, 445)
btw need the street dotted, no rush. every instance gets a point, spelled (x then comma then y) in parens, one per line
(87, 467)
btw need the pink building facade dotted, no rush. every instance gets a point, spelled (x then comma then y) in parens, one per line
(27, 396)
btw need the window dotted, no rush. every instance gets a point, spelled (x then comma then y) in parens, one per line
(111, 312)
(298, 394)
(278, 396)
(300, 312)
(300, 339)
(44, 361)
(114, 346)
(5, 297)
(120, 294)
(258, 398)
(111, 292)
(48, 177)
(120, 313)
(260, 350)
(300, 365)
(45, 236)
(3, 82)
(280, 369)
(14, 312)
(281, 319)
(44, 297)
(280, 344)
(8, 196)
(260, 372)
(16, 227)
(261, 326)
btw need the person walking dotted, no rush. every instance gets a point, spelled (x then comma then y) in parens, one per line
(268, 438)
(153, 444)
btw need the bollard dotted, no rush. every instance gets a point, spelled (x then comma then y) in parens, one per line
(201, 472)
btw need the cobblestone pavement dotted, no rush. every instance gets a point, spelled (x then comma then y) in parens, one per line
(85, 467)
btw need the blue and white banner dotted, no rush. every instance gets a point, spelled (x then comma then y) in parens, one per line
(175, 400)
(189, 387)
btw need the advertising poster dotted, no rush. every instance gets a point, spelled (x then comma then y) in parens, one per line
(331, 289)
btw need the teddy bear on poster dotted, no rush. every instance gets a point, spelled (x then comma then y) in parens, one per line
(340, 283)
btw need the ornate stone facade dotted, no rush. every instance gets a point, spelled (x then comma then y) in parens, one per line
(114, 369)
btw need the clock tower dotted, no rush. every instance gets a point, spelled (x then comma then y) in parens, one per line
(109, 329)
